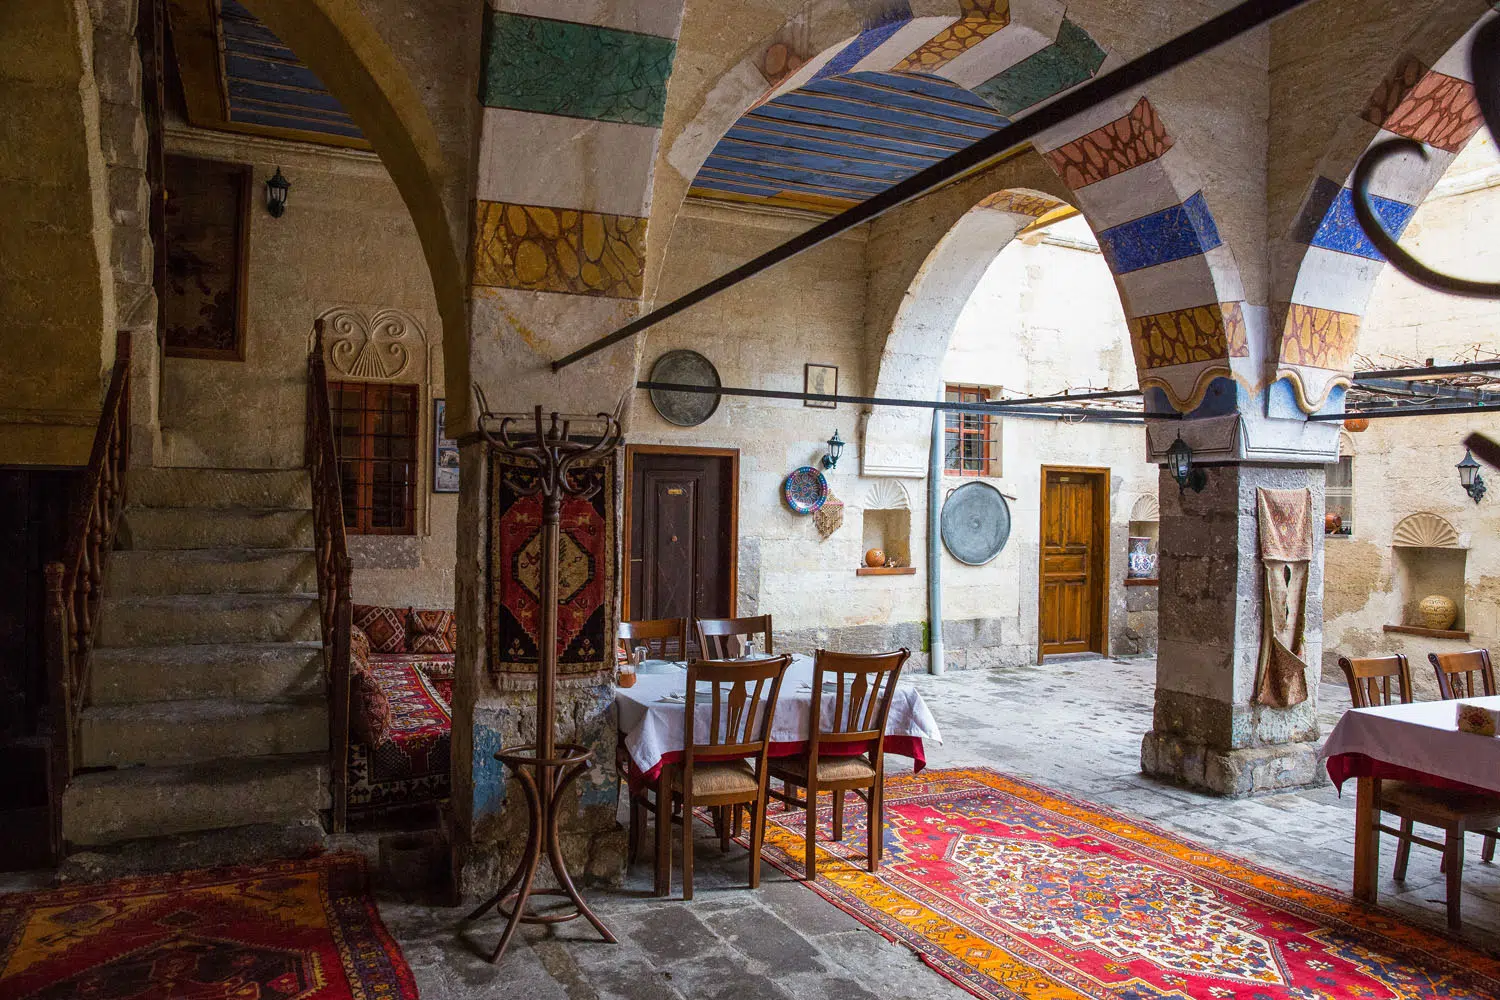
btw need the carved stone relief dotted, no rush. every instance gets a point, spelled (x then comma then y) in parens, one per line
(1425, 530)
(386, 345)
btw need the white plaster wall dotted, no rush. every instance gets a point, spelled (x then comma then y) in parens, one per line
(346, 240)
(1406, 465)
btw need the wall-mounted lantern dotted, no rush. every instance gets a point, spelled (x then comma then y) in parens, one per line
(276, 190)
(1468, 475)
(835, 449)
(1180, 463)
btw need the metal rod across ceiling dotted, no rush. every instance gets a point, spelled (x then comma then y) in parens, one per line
(1185, 47)
(1409, 411)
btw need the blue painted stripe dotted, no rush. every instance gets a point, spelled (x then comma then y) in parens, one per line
(864, 43)
(1340, 230)
(780, 190)
(880, 115)
(830, 147)
(869, 140)
(250, 90)
(292, 111)
(269, 71)
(253, 36)
(924, 84)
(250, 117)
(812, 162)
(802, 116)
(766, 171)
(973, 112)
(1173, 233)
(719, 184)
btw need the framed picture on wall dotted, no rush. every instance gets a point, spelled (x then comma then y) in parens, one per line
(444, 452)
(821, 379)
(207, 229)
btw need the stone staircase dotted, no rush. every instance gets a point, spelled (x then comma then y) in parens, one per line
(207, 709)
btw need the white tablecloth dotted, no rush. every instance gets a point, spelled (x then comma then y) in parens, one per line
(1422, 736)
(653, 728)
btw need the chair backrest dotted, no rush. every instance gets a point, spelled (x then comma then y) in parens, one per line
(724, 638)
(1459, 673)
(742, 696)
(1369, 679)
(664, 638)
(862, 686)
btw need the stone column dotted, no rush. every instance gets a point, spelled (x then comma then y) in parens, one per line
(1207, 730)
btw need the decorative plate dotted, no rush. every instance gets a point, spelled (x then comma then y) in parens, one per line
(805, 490)
(685, 409)
(975, 523)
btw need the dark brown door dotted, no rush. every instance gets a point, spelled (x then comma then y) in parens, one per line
(1072, 562)
(681, 537)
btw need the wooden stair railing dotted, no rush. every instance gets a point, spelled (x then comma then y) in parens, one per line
(334, 572)
(75, 585)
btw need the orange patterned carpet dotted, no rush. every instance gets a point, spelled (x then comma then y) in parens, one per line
(1016, 891)
(289, 930)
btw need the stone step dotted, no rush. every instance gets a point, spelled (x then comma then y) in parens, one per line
(187, 619)
(148, 572)
(215, 528)
(257, 488)
(107, 807)
(165, 733)
(247, 672)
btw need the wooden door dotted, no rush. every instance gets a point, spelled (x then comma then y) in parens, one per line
(1072, 561)
(682, 536)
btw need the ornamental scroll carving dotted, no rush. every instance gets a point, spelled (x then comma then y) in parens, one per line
(385, 345)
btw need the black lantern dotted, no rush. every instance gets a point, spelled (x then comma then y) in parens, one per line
(835, 449)
(276, 189)
(1180, 462)
(1468, 475)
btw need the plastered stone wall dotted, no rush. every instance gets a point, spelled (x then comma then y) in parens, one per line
(346, 240)
(1405, 466)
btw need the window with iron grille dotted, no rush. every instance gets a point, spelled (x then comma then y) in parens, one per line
(375, 431)
(972, 440)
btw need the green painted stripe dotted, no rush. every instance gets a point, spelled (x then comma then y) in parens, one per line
(578, 70)
(1067, 62)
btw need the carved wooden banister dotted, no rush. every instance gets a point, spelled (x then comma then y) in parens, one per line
(321, 457)
(74, 586)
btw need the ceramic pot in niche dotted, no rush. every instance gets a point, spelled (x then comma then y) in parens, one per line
(1332, 522)
(1437, 612)
(1139, 562)
(875, 557)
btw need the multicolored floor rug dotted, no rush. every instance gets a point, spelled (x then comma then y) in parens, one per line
(291, 930)
(1012, 890)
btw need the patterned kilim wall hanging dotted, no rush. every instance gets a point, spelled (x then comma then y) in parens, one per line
(586, 577)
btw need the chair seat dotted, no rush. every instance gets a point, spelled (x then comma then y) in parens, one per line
(830, 769)
(1439, 804)
(735, 778)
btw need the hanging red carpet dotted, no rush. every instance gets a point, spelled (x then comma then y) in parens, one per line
(292, 930)
(1012, 890)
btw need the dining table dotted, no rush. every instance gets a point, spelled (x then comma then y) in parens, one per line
(1418, 742)
(651, 716)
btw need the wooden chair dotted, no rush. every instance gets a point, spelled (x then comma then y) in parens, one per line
(714, 771)
(664, 638)
(864, 684)
(1459, 674)
(724, 638)
(1369, 679)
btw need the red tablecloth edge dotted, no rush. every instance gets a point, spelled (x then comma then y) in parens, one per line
(1343, 766)
(902, 746)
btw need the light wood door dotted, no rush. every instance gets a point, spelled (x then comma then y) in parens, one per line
(1072, 572)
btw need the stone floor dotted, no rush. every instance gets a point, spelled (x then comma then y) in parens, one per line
(1073, 726)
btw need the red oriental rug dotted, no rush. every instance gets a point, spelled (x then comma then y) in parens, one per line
(290, 930)
(1013, 890)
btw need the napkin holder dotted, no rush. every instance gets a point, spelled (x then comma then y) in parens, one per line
(1478, 719)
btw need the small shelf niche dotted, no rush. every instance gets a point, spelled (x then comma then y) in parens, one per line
(887, 522)
(1429, 559)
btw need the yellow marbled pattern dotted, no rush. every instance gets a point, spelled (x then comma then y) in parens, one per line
(1182, 336)
(1318, 338)
(1033, 205)
(980, 20)
(544, 249)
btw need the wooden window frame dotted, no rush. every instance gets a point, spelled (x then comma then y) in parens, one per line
(362, 521)
(1345, 493)
(985, 427)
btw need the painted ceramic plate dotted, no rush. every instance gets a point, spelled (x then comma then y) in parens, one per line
(805, 490)
(975, 523)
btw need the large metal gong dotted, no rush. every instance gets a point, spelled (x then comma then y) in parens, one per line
(975, 523)
(685, 409)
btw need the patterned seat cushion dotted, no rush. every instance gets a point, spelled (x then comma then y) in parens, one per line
(410, 765)
(385, 626)
(369, 706)
(829, 769)
(431, 630)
